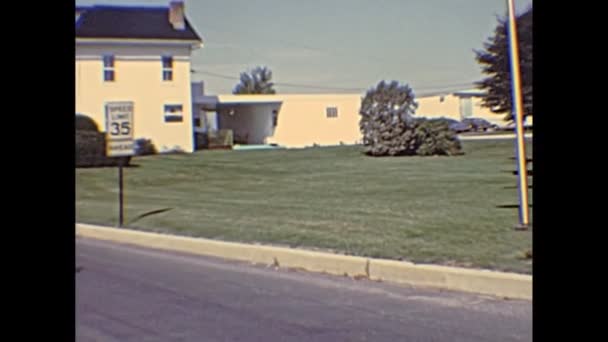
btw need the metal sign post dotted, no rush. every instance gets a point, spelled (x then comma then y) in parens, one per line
(120, 197)
(119, 142)
(517, 105)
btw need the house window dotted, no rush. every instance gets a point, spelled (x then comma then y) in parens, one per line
(331, 112)
(167, 68)
(108, 68)
(174, 113)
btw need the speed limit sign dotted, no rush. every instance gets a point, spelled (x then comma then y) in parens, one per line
(119, 129)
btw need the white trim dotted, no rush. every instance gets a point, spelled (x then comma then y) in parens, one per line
(109, 68)
(134, 41)
(167, 69)
(155, 58)
(169, 114)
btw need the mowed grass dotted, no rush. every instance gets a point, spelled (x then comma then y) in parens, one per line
(443, 210)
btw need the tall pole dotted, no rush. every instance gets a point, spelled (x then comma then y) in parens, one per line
(517, 104)
(120, 196)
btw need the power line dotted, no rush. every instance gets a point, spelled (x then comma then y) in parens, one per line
(282, 42)
(464, 84)
(214, 74)
(293, 85)
(437, 89)
(278, 83)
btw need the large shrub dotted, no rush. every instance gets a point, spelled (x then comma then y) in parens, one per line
(145, 147)
(85, 123)
(434, 137)
(389, 128)
(89, 148)
(91, 145)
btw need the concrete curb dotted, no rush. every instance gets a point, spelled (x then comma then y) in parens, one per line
(507, 285)
(492, 137)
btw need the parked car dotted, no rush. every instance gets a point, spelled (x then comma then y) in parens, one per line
(458, 126)
(479, 125)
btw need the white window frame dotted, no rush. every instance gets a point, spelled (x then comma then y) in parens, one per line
(173, 113)
(167, 70)
(109, 68)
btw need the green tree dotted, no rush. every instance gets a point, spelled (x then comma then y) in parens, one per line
(257, 81)
(386, 111)
(495, 62)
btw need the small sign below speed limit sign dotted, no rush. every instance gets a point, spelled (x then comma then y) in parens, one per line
(119, 129)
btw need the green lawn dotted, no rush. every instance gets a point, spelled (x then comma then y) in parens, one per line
(445, 210)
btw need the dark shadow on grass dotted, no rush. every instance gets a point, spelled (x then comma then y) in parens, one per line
(515, 173)
(516, 187)
(529, 160)
(510, 206)
(149, 213)
(108, 166)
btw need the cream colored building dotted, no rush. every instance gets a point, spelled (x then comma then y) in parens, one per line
(142, 55)
(458, 106)
(318, 119)
(289, 120)
(301, 120)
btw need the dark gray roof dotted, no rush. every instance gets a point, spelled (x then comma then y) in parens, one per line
(130, 22)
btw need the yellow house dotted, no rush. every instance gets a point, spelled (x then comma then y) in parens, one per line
(142, 55)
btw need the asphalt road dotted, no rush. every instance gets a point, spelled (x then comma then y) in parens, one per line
(134, 294)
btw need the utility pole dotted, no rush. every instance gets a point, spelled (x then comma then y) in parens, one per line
(517, 105)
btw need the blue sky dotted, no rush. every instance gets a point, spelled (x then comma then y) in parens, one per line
(340, 46)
